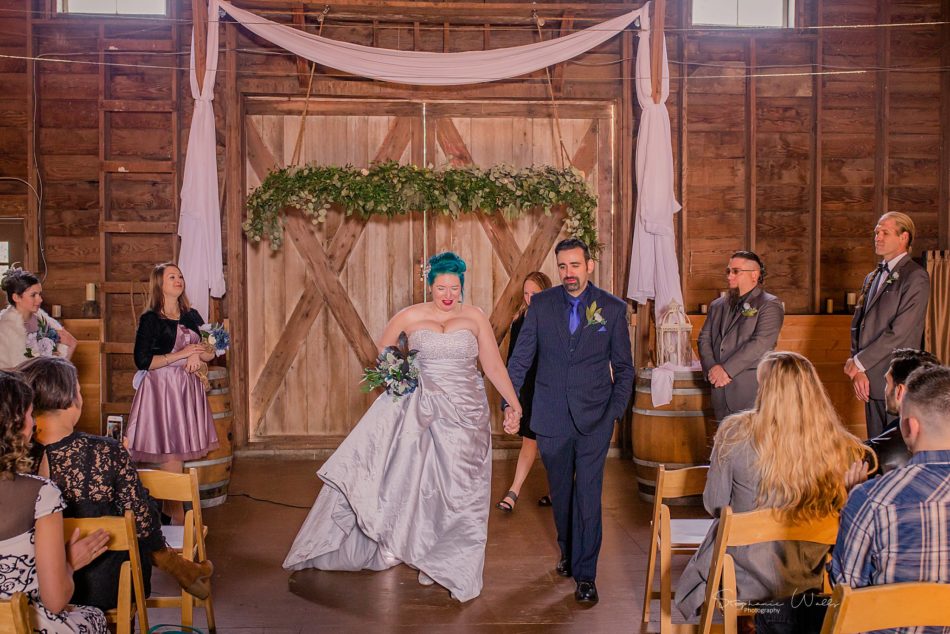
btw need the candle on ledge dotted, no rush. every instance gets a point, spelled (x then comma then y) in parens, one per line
(91, 292)
(57, 311)
(703, 308)
(829, 305)
(852, 300)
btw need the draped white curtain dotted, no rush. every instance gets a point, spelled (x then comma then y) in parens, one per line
(200, 221)
(654, 270)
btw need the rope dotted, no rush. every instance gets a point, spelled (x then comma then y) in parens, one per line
(306, 106)
(563, 154)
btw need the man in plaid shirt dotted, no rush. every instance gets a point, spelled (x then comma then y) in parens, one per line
(897, 527)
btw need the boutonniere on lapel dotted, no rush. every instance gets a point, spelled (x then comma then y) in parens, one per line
(595, 315)
(748, 310)
(890, 278)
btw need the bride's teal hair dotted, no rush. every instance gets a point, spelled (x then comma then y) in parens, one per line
(446, 262)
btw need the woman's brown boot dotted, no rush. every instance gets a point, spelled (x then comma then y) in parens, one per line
(191, 576)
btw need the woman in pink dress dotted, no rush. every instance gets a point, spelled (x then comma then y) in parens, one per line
(170, 421)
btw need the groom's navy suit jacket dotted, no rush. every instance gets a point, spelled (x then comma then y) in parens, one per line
(574, 374)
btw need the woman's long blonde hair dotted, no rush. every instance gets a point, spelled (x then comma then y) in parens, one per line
(802, 450)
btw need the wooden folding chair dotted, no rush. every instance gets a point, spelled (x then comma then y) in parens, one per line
(744, 529)
(672, 536)
(188, 539)
(131, 586)
(15, 615)
(886, 606)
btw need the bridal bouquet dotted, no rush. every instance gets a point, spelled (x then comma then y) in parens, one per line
(395, 370)
(43, 342)
(216, 337)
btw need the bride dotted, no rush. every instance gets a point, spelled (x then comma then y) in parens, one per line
(411, 483)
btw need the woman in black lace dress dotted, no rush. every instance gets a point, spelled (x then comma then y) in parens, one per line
(96, 477)
(32, 557)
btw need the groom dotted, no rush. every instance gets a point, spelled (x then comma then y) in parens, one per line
(578, 333)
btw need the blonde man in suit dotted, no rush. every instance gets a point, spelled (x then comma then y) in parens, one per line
(740, 329)
(890, 315)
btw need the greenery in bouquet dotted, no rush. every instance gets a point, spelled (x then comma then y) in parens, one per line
(395, 370)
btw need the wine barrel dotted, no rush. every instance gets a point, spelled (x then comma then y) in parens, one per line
(676, 435)
(214, 470)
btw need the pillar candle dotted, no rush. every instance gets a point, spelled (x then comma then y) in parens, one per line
(829, 305)
(91, 292)
(703, 308)
(57, 311)
(852, 299)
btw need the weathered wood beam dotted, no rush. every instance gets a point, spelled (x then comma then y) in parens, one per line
(557, 73)
(303, 65)
(656, 47)
(943, 210)
(882, 113)
(199, 18)
(817, 151)
(751, 162)
(233, 217)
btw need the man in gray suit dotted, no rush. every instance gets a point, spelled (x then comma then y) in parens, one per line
(740, 328)
(890, 315)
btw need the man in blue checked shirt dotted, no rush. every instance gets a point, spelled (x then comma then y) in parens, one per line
(895, 528)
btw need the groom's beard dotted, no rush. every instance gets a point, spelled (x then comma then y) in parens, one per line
(733, 297)
(572, 284)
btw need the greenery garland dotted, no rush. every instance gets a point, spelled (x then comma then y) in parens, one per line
(391, 189)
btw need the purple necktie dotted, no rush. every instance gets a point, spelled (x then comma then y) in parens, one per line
(575, 320)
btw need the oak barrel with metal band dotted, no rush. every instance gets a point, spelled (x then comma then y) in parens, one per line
(678, 434)
(214, 470)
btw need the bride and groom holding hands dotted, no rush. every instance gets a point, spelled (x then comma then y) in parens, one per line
(412, 482)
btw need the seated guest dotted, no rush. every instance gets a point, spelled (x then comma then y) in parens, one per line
(23, 324)
(97, 478)
(790, 452)
(894, 528)
(889, 445)
(33, 559)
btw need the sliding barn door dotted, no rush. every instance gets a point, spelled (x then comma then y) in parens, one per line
(315, 307)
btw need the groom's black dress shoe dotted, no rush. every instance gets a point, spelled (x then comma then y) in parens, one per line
(586, 592)
(563, 567)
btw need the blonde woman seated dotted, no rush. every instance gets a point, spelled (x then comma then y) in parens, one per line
(790, 452)
(33, 559)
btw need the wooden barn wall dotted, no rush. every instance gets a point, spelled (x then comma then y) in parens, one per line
(766, 155)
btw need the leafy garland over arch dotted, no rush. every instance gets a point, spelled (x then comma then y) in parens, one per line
(391, 189)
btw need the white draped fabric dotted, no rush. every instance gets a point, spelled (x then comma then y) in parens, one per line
(431, 69)
(199, 223)
(654, 270)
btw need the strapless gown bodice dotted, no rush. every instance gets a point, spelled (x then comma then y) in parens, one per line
(411, 482)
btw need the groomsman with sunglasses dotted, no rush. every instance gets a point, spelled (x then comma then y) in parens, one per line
(740, 328)
(890, 314)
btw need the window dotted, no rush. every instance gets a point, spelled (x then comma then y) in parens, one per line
(113, 7)
(11, 242)
(744, 13)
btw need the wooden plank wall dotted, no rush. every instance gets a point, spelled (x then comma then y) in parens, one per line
(795, 166)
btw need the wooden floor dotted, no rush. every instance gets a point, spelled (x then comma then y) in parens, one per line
(253, 594)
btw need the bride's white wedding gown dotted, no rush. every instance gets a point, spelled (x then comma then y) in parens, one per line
(411, 483)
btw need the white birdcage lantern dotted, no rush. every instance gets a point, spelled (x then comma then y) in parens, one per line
(673, 332)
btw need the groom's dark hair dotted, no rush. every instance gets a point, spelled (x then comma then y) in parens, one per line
(572, 243)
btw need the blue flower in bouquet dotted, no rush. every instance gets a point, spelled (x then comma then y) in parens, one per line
(43, 342)
(216, 336)
(395, 370)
